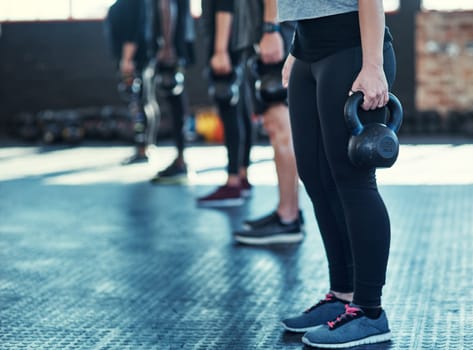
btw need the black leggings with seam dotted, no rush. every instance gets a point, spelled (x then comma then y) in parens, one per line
(350, 212)
(237, 125)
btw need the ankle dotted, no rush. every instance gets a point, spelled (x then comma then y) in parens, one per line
(288, 215)
(233, 181)
(346, 297)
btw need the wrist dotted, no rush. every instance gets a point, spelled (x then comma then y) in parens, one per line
(271, 27)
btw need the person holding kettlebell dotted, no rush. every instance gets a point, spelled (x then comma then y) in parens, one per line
(341, 47)
(285, 223)
(153, 42)
(229, 40)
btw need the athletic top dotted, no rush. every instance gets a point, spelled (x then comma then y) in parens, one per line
(138, 21)
(324, 27)
(303, 9)
(246, 22)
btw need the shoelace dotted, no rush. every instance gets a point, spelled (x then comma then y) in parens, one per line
(328, 298)
(349, 314)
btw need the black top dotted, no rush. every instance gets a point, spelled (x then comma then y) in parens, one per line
(125, 23)
(138, 21)
(246, 22)
(320, 37)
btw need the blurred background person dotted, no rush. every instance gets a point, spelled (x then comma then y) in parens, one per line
(229, 42)
(283, 225)
(152, 41)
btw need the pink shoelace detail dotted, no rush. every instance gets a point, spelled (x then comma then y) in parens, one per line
(328, 298)
(350, 312)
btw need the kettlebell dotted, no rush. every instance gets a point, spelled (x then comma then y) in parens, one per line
(225, 88)
(268, 82)
(374, 145)
(170, 78)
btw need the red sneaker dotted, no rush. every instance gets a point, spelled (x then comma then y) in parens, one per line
(224, 196)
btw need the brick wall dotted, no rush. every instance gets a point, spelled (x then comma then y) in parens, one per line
(444, 65)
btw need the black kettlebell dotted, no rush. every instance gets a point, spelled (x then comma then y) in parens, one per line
(225, 88)
(170, 78)
(374, 145)
(268, 83)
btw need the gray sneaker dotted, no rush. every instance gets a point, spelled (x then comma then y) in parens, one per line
(271, 231)
(322, 312)
(351, 328)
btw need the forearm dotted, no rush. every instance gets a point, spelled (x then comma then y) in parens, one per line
(270, 11)
(168, 22)
(128, 51)
(372, 24)
(223, 25)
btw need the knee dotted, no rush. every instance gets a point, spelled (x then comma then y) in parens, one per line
(278, 129)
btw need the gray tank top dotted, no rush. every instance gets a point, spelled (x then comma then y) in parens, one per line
(290, 10)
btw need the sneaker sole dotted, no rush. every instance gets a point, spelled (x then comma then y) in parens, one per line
(169, 181)
(222, 203)
(280, 238)
(248, 227)
(298, 330)
(379, 338)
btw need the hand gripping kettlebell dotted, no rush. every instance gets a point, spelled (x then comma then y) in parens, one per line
(374, 145)
(225, 88)
(268, 81)
(170, 78)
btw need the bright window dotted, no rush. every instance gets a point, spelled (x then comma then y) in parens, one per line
(42, 10)
(391, 5)
(450, 5)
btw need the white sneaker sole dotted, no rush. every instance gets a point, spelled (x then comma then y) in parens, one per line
(222, 203)
(379, 338)
(280, 238)
(298, 330)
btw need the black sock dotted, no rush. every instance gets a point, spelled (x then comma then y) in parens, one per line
(372, 312)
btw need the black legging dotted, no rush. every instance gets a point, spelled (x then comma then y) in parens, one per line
(237, 124)
(351, 215)
(178, 105)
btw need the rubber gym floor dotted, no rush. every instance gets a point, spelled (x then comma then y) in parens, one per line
(93, 256)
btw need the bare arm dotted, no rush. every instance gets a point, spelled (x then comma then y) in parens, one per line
(127, 65)
(220, 61)
(271, 45)
(167, 53)
(371, 80)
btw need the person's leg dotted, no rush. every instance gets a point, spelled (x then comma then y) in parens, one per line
(230, 193)
(365, 213)
(277, 125)
(247, 137)
(178, 109)
(315, 175)
(176, 172)
(283, 225)
(144, 113)
(367, 220)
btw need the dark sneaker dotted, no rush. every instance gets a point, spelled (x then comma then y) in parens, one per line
(224, 196)
(267, 219)
(246, 188)
(135, 159)
(351, 328)
(322, 312)
(175, 173)
(273, 231)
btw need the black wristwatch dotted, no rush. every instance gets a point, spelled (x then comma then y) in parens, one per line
(269, 27)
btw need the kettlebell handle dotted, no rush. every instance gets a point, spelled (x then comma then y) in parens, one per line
(353, 121)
